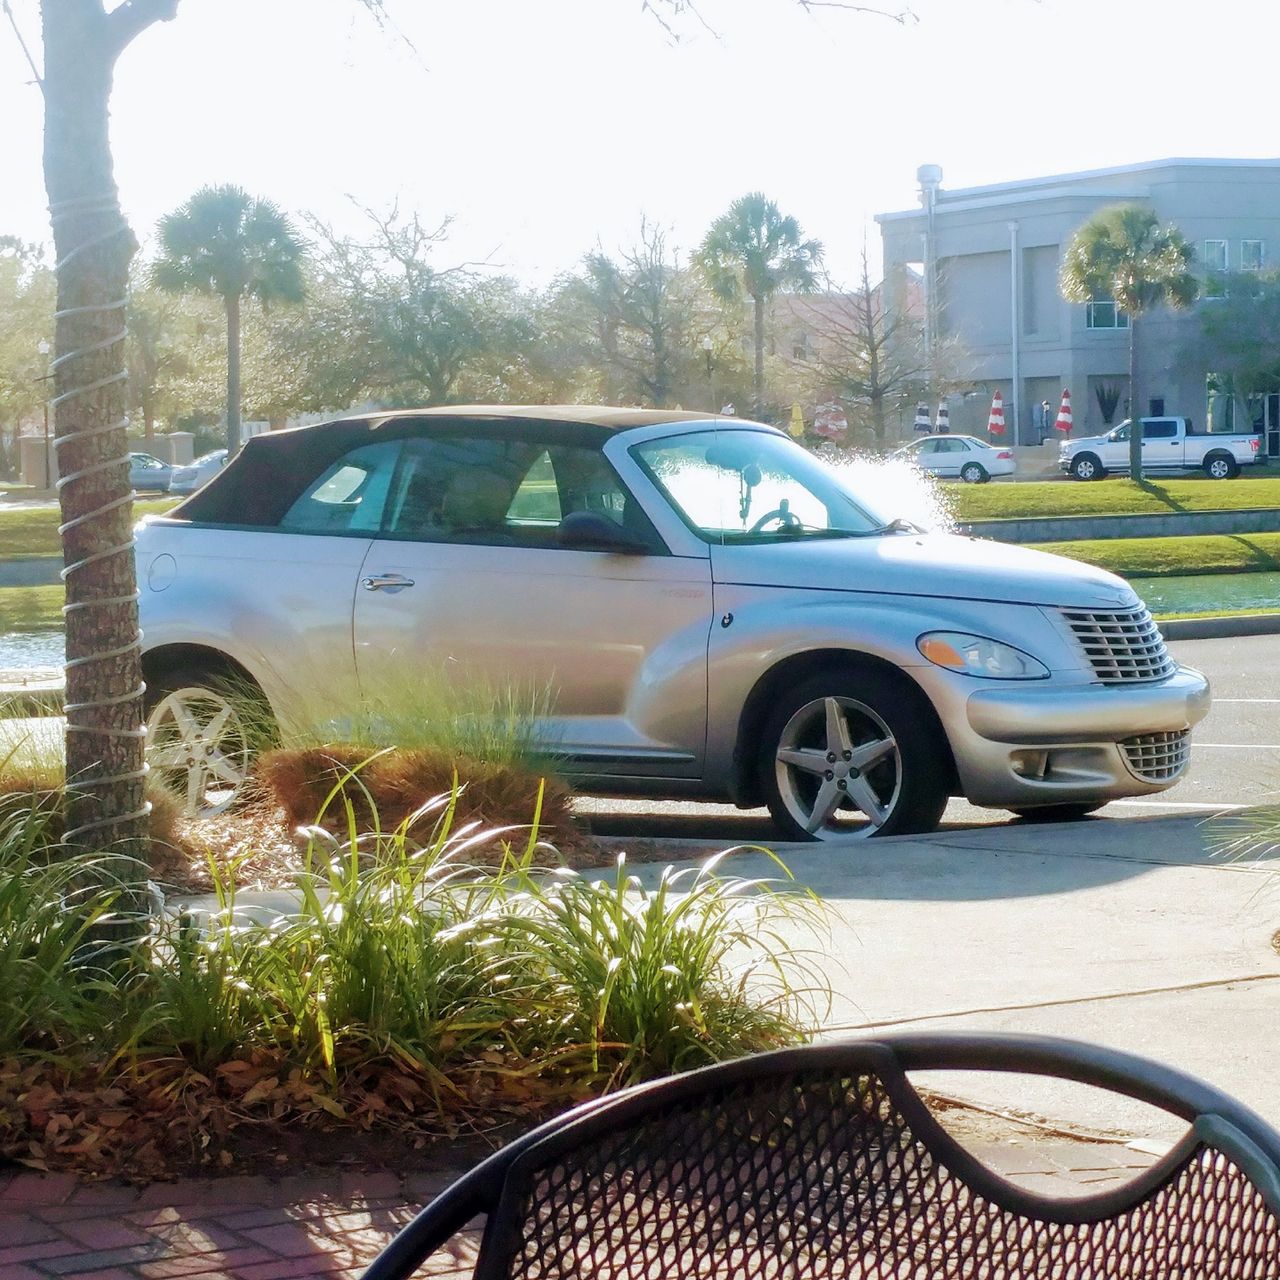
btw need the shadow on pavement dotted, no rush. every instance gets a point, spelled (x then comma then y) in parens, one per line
(962, 861)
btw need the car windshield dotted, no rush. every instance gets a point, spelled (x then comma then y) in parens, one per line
(753, 486)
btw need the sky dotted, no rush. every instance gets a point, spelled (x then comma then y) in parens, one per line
(544, 128)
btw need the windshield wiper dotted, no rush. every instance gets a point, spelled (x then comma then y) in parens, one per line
(898, 524)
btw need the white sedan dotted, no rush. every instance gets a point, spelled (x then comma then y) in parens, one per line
(197, 474)
(965, 457)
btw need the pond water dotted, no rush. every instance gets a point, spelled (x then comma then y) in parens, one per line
(1210, 593)
(22, 649)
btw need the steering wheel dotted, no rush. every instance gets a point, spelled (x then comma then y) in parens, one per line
(782, 514)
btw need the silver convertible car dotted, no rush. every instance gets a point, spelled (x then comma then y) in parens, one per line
(720, 615)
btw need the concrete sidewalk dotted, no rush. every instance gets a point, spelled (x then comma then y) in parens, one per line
(1144, 934)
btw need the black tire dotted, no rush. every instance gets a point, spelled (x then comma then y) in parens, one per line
(1059, 812)
(974, 473)
(1086, 466)
(206, 772)
(1221, 466)
(887, 720)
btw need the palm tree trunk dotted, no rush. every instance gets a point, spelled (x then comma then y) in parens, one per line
(233, 374)
(105, 806)
(758, 303)
(1135, 407)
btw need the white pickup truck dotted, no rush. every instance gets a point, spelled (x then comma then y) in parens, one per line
(1168, 444)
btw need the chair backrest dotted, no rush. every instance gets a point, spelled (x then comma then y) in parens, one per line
(823, 1161)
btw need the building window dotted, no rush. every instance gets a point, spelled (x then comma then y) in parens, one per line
(1215, 255)
(1250, 255)
(1104, 314)
(800, 348)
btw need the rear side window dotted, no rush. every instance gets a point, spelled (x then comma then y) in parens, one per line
(349, 496)
(495, 491)
(1165, 430)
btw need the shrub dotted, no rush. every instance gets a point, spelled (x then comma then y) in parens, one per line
(408, 992)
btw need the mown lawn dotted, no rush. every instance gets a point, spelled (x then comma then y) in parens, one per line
(1113, 497)
(1162, 557)
(31, 608)
(33, 531)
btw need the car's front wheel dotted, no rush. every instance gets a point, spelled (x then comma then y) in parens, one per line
(1086, 467)
(201, 731)
(852, 753)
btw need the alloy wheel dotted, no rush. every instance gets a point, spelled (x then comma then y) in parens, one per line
(838, 768)
(196, 742)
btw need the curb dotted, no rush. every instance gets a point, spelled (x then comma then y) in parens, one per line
(31, 571)
(1220, 628)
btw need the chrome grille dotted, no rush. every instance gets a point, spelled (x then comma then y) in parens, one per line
(1123, 644)
(1158, 757)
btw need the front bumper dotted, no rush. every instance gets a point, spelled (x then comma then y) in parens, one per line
(1022, 745)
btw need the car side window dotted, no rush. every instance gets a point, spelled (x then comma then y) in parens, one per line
(349, 495)
(1160, 430)
(494, 491)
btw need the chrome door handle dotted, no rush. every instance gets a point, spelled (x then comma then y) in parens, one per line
(386, 582)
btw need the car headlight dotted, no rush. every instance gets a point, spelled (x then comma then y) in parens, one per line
(979, 656)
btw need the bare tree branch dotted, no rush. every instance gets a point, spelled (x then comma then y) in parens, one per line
(902, 17)
(31, 62)
(130, 19)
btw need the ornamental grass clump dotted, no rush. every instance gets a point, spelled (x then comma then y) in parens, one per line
(406, 993)
(412, 738)
(649, 981)
(396, 786)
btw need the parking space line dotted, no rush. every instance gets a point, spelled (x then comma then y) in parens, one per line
(1240, 746)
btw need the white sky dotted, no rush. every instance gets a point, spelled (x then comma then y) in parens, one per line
(543, 126)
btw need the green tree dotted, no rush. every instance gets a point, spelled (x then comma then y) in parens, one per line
(1123, 253)
(753, 251)
(26, 303)
(424, 334)
(1238, 336)
(226, 242)
(163, 350)
(639, 320)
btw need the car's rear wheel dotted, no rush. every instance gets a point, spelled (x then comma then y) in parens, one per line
(1058, 812)
(852, 753)
(1221, 466)
(973, 473)
(202, 728)
(1086, 467)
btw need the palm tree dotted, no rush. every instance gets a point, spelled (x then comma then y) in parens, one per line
(1125, 254)
(227, 242)
(753, 250)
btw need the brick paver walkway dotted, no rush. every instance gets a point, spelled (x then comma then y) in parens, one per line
(239, 1228)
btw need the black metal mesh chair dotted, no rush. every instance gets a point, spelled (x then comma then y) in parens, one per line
(823, 1161)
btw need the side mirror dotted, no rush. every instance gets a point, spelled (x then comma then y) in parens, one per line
(590, 531)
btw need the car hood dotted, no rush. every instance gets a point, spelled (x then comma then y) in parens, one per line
(928, 564)
(1076, 441)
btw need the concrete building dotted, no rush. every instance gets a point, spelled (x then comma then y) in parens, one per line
(990, 257)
